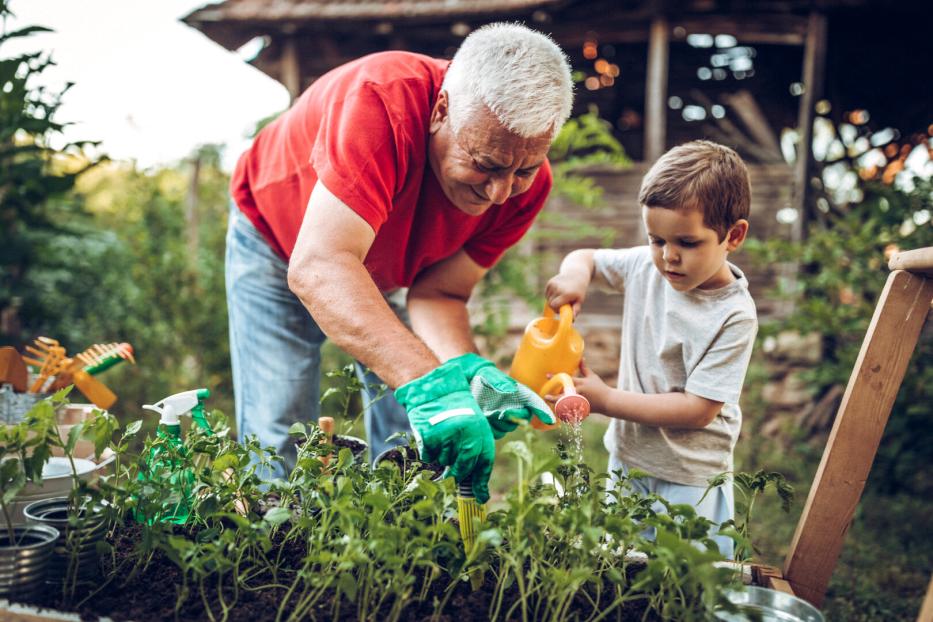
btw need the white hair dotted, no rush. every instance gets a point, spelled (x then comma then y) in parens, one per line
(521, 75)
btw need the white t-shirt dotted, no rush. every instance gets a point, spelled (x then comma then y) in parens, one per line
(700, 342)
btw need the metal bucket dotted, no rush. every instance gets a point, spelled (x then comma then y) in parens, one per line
(759, 603)
(79, 541)
(24, 563)
(14, 406)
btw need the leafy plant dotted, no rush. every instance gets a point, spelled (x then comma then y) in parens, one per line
(39, 223)
(843, 268)
(342, 539)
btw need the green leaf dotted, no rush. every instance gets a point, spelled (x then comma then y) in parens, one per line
(346, 583)
(73, 435)
(277, 516)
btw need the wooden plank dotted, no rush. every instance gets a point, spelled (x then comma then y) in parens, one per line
(926, 610)
(780, 585)
(918, 261)
(656, 90)
(866, 405)
(290, 66)
(814, 61)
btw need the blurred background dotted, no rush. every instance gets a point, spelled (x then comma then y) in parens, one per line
(119, 128)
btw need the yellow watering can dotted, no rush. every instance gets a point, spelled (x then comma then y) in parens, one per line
(552, 346)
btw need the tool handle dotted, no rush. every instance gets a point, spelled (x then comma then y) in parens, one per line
(94, 390)
(327, 426)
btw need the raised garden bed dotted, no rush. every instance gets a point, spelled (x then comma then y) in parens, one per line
(344, 541)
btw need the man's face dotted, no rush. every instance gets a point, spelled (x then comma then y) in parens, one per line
(484, 164)
(687, 252)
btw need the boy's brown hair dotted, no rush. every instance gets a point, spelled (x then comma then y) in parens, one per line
(700, 175)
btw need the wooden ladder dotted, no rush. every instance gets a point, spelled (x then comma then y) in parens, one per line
(866, 405)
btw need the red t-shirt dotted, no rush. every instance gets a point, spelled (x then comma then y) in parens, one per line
(362, 129)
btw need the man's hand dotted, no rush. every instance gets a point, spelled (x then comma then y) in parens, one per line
(449, 426)
(503, 400)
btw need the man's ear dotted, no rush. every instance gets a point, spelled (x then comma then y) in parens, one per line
(440, 112)
(736, 235)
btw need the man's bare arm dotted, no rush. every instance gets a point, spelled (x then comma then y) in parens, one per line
(437, 305)
(327, 274)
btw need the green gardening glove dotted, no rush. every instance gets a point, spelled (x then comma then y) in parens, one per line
(503, 400)
(449, 426)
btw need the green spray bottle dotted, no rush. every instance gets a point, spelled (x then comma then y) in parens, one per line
(164, 455)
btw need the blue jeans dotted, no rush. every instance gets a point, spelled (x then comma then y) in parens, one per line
(275, 350)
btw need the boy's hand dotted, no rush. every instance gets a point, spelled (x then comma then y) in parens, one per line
(566, 288)
(590, 386)
(569, 286)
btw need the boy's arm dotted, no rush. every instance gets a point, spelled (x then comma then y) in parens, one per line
(572, 280)
(661, 410)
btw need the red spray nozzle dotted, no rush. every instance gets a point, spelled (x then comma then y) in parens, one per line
(571, 407)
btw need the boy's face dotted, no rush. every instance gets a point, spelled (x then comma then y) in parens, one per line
(687, 252)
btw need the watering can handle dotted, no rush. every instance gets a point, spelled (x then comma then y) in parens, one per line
(566, 321)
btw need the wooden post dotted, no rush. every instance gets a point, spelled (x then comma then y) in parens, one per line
(926, 609)
(656, 90)
(192, 217)
(290, 67)
(850, 450)
(814, 61)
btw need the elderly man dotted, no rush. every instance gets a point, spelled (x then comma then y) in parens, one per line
(393, 171)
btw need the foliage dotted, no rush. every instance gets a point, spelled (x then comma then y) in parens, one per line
(338, 536)
(162, 269)
(41, 224)
(842, 272)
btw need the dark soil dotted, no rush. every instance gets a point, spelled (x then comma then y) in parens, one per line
(150, 593)
(406, 459)
(356, 447)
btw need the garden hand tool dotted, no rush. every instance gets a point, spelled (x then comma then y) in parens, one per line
(94, 360)
(571, 407)
(13, 370)
(49, 360)
(327, 427)
(93, 389)
(469, 512)
(101, 357)
(449, 427)
(160, 461)
(549, 346)
(503, 400)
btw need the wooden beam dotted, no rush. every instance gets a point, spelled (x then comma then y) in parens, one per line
(290, 67)
(918, 261)
(743, 103)
(850, 450)
(814, 61)
(926, 609)
(656, 90)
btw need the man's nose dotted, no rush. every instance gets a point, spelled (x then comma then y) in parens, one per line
(499, 188)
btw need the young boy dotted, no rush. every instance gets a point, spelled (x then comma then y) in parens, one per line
(688, 327)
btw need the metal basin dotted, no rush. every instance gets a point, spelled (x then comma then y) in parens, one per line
(24, 564)
(759, 603)
(80, 542)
